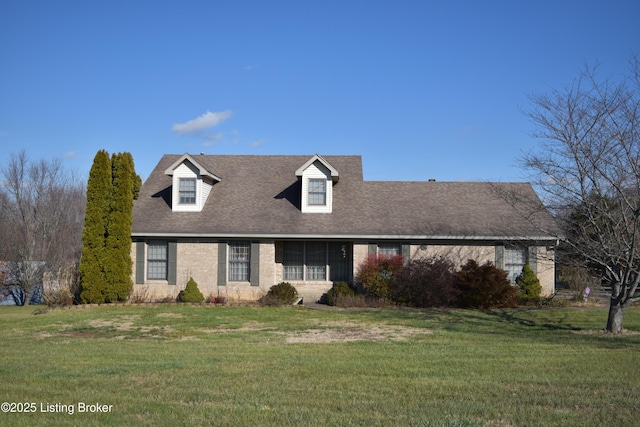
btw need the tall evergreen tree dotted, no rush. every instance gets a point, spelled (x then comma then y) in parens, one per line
(118, 258)
(94, 234)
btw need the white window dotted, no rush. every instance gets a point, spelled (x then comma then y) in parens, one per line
(239, 259)
(187, 191)
(389, 249)
(157, 260)
(317, 192)
(316, 261)
(293, 260)
(515, 258)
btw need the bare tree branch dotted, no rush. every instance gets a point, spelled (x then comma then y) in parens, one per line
(588, 171)
(43, 210)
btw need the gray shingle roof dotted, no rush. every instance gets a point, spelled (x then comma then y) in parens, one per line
(258, 196)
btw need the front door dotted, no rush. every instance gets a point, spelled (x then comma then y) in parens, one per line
(340, 261)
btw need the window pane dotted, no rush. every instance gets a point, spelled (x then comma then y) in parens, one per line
(292, 260)
(239, 257)
(187, 191)
(389, 249)
(316, 261)
(157, 260)
(514, 259)
(317, 192)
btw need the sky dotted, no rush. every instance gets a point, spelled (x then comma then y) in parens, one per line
(419, 89)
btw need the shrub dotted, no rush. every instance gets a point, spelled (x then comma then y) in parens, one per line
(339, 294)
(216, 300)
(485, 286)
(59, 288)
(426, 282)
(529, 288)
(191, 293)
(281, 294)
(376, 274)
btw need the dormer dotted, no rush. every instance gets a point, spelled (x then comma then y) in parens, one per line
(318, 178)
(191, 184)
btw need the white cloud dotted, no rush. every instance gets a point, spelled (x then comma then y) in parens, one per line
(205, 121)
(257, 143)
(69, 155)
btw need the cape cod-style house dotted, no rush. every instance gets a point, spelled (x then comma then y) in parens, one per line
(241, 224)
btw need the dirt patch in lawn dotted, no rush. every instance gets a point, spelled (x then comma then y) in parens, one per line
(329, 332)
(246, 327)
(170, 315)
(119, 323)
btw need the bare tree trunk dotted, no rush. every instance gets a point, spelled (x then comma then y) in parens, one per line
(616, 314)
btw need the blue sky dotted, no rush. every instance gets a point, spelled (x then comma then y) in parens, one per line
(420, 89)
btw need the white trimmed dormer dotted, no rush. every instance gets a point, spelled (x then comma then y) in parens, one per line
(191, 184)
(317, 177)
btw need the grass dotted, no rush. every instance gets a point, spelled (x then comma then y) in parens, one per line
(234, 366)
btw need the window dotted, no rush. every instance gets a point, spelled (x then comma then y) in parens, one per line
(239, 258)
(514, 259)
(293, 260)
(389, 249)
(187, 191)
(316, 261)
(157, 260)
(318, 192)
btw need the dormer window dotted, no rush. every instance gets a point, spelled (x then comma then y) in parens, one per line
(187, 188)
(317, 192)
(191, 184)
(318, 178)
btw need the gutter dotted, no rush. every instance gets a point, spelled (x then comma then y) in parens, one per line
(277, 236)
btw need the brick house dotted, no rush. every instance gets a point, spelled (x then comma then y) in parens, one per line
(240, 224)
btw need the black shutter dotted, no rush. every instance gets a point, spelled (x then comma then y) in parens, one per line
(222, 263)
(172, 254)
(533, 258)
(500, 256)
(140, 261)
(254, 264)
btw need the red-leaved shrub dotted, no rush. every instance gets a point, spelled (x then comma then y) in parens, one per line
(426, 282)
(376, 274)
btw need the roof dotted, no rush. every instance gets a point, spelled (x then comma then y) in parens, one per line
(201, 169)
(335, 175)
(259, 196)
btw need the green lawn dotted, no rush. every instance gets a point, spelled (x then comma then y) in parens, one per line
(235, 366)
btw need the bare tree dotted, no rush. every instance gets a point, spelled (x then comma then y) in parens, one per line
(588, 170)
(43, 210)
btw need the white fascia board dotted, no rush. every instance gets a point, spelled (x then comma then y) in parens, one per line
(335, 175)
(201, 169)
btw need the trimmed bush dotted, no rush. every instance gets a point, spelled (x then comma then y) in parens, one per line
(376, 274)
(105, 264)
(281, 294)
(529, 288)
(340, 293)
(485, 286)
(93, 259)
(191, 293)
(426, 282)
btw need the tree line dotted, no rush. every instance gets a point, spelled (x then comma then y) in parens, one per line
(47, 212)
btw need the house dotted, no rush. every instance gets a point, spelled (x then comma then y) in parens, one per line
(10, 292)
(241, 224)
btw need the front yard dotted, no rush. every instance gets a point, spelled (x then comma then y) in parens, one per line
(203, 365)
